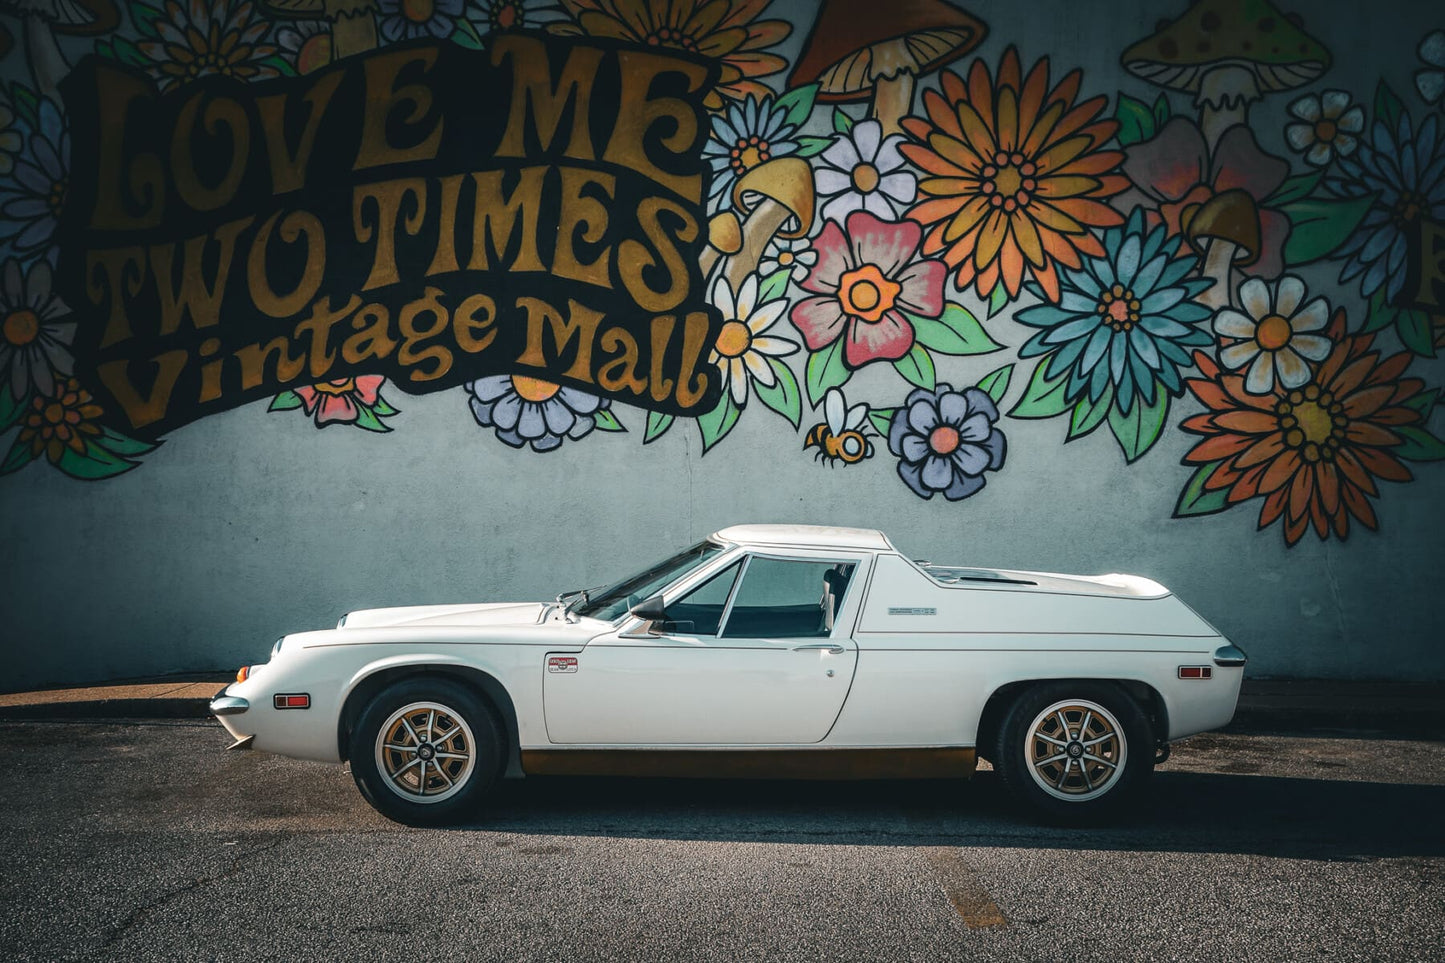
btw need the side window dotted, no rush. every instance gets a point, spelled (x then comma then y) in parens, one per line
(788, 599)
(700, 611)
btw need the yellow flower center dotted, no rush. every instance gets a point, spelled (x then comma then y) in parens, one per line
(786, 258)
(749, 153)
(1009, 182)
(1314, 423)
(534, 389)
(56, 198)
(1326, 130)
(1119, 307)
(1407, 209)
(418, 11)
(865, 293)
(943, 439)
(1273, 333)
(337, 386)
(21, 327)
(734, 339)
(668, 37)
(865, 178)
(54, 412)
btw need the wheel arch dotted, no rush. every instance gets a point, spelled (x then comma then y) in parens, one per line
(996, 706)
(373, 679)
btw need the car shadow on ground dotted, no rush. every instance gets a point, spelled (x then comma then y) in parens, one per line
(1294, 818)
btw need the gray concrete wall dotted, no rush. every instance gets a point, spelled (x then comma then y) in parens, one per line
(251, 523)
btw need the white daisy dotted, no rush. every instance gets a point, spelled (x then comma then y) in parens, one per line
(740, 354)
(862, 171)
(796, 254)
(1431, 81)
(1274, 338)
(1329, 129)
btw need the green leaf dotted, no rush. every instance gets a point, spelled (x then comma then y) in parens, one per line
(826, 370)
(782, 396)
(1413, 327)
(717, 423)
(1161, 111)
(26, 104)
(995, 383)
(466, 35)
(812, 146)
(1194, 500)
(279, 64)
(882, 419)
(917, 367)
(1138, 429)
(774, 286)
(1088, 415)
(95, 463)
(1295, 188)
(144, 16)
(10, 407)
(998, 299)
(1381, 315)
(285, 401)
(842, 123)
(657, 425)
(1419, 444)
(956, 331)
(1042, 398)
(1424, 402)
(1318, 226)
(118, 444)
(606, 420)
(798, 103)
(121, 50)
(1387, 105)
(1136, 120)
(383, 408)
(19, 456)
(366, 418)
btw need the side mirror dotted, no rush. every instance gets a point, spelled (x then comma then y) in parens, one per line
(650, 609)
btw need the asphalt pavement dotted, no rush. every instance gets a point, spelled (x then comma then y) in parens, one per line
(143, 840)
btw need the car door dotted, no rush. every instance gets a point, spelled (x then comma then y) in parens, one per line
(758, 653)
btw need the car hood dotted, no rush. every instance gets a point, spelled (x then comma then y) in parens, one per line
(467, 615)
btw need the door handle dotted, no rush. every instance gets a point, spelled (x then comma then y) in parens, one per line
(832, 647)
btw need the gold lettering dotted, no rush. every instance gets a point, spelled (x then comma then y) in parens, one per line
(288, 169)
(580, 325)
(115, 93)
(296, 224)
(106, 274)
(389, 197)
(319, 326)
(693, 377)
(144, 410)
(620, 373)
(634, 258)
(1431, 265)
(412, 335)
(210, 371)
(474, 335)
(194, 296)
(638, 115)
(372, 340)
(445, 259)
(583, 214)
(385, 99)
(253, 358)
(532, 88)
(499, 219)
(221, 112)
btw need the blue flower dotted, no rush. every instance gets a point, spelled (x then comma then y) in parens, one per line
(526, 410)
(945, 440)
(1124, 319)
(1405, 170)
(32, 195)
(418, 19)
(745, 135)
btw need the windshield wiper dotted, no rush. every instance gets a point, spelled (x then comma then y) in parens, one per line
(569, 599)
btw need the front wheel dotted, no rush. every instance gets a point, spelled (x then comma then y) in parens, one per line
(1075, 751)
(425, 751)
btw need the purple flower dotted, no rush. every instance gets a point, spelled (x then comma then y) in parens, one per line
(417, 19)
(526, 410)
(945, 440)
(33, 193)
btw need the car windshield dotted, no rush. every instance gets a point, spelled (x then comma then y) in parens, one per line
(611, 602)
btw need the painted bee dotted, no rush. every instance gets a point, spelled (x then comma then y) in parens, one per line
(841, 437)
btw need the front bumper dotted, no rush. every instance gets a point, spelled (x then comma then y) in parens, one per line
(228, 705)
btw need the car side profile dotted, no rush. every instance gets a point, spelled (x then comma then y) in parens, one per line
(764, 650)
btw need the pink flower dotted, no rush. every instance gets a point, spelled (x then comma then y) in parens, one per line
(336, 400)
(867, 280)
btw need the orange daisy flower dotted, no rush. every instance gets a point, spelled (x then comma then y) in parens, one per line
(1018, 179)
(727, 31)
(1313, 452)
(54, 424)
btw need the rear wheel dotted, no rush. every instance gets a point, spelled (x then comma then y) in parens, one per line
(1074, 751)
(425, 751)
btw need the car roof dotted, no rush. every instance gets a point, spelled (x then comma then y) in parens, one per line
(804, 536)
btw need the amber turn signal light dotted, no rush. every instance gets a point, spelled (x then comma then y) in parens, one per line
(243, 673)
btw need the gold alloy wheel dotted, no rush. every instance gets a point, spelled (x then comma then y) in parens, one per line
(1075, 750)
(425, 752)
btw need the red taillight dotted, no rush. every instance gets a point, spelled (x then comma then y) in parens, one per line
(243, 673)
(292, 701)
(1195, 672)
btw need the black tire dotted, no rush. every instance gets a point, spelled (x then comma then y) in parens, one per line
(426, 773)
(1095, 771)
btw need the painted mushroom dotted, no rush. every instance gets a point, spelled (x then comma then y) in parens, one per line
(776, 200)
(856, 54)
(724, 239)
(353, 22)
(1228, 53)
(43, 19)
(1226, 229)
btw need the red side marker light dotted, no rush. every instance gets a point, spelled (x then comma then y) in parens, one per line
(1196, 672)
(292, 700)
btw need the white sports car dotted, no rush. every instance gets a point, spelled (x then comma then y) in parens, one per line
(766, 650)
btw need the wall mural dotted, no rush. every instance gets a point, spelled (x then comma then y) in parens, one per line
(616, 215)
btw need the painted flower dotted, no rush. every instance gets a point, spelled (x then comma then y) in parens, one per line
(34, 330)
(726, 31)
(11, 140)
(1274, 332)
(863, 171)
(1330, 126)
(1312, 452)
(1431, 81)
(59, 420)
(340, 400)
(742, 352)
(498, 15)
(1123, 318)
(746, 134)
(306, 44)
(418, 19)
(525, 410)
(1018, 177)
(865, 280)
(32, 196)
(795, 254)
(1403, 167)
(201, 39)
(945, 440)
(1211, 198)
